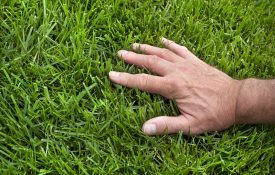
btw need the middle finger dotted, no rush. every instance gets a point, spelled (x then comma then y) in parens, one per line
(151, 62)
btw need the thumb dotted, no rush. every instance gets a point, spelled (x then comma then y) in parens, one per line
(166, 125)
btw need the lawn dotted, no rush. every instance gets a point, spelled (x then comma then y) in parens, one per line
(60, 114)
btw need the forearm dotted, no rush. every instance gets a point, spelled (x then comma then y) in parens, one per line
(256, 102)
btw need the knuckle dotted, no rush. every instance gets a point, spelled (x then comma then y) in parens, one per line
(145, 47)
(184, 48)
(164, 52)
(143, 81)
(127, 82)
(151, 61)
(174, 83)
(172, 87)
(143, 76)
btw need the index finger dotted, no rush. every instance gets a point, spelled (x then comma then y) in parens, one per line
(144, 82)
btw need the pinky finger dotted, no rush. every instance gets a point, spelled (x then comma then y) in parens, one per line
(178, 49)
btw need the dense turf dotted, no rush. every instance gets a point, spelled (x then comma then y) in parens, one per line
(60, 114)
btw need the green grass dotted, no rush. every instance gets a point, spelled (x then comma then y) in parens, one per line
(60, 114)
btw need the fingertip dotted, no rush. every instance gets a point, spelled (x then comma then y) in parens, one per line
(122, 53)
(163, 40)
(155, 126)
(167, 125)
(149, 128)
(136, 46)
(114, 76)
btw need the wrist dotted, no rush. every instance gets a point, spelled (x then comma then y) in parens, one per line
(254, 103)
(241, 102)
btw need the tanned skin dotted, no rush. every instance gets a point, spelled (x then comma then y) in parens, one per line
(208, 99)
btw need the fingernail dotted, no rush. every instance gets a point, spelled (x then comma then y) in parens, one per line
(135, 46)
(122, 52)
(163, 40)
(114, 75)
(149, 129)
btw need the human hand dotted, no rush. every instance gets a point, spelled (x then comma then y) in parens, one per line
(205, 96)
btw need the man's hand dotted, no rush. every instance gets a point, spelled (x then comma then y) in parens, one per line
(205, 96)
